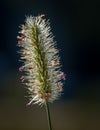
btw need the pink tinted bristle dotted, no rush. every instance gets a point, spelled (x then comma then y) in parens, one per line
(63, 76)
(28, 105)
(20, 69)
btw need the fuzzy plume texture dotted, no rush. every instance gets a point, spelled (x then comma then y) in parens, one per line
(41, 62)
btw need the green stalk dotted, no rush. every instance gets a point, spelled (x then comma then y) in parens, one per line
(48, 115)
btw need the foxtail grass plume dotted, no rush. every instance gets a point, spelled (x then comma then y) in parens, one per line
(41, 62)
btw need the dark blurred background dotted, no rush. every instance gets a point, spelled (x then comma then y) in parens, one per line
(76, 26)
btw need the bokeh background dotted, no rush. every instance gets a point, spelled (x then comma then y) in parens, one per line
(76, 26)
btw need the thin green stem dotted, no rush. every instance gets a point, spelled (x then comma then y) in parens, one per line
(48, 115)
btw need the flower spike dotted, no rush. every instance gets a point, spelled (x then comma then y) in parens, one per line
(41, 61)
